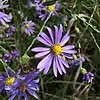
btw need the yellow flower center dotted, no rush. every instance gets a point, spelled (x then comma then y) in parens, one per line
(27, 25)
(57, 49)
(9, 81)
(51, 8)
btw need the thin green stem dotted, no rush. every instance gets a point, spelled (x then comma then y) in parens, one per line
(38, 33)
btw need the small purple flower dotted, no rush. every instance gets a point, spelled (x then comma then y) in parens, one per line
(7, 58)
(55, 52)
(27, 84)
(2, 5)
(8, 80)
(12, 55)
(4, 18)
(76, 62)
(15, 54)
(43, 11)
(9, 31)
(88, 77)
(28, 27)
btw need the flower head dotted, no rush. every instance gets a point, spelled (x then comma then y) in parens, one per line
(15, 54)
(44, 10)
(55, 52)
(28, 27)
(8, 80)
(76, 62)
(9, 31)
(7, 57)
(27, 84)
(88, 77)
(4, 18)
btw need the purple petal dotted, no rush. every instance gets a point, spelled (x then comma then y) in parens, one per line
(69, 56)
(68, 47)
(60, 33)
(1, 87)
(42, 64)
(41, 54)
(33, 86)
(2, 77)
(61, 65)
(32, 93)
(56, 34)
(64, 63)
(36, 81)
(7, 87)
(48, 65)
(45, 37)
(54, 67)
(65, 38)
(39, 49)
(43, 41)
(69, 51)
(25, 96)
(58, 66)
(51, 34)
(10, 72)
(13, 95)
(19, 95)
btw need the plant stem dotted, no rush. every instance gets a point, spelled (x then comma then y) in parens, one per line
(38, 33)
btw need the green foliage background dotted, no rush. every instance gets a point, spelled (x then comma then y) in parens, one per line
(69, 87)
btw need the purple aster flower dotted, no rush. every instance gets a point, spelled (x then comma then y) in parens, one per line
(88, 77)
(56, 51)
(27, 84)
(9, 31)
(8, 80)
(15, 54)
(28, 27)
(2, 5)
(4, 18)
(43, 11)
(76, 62)
(7, 57)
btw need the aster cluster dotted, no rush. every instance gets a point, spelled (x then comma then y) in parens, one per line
(7, 57)
(55, 50)
(18, 85)
(44, 10)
